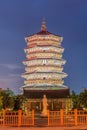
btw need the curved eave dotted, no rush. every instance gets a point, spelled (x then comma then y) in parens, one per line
(43, 33)
(44, 87)
(44, 52)
(45, 66)
(36, 58)
(37, 72)
(43, 45)
(43, 74)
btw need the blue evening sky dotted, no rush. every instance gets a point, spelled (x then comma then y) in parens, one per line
(20, 18)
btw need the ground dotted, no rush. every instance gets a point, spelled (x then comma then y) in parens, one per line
(45, 128)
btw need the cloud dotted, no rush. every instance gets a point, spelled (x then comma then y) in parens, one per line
(11, 66)
(14, 75)
(12, 81)
(10, 76)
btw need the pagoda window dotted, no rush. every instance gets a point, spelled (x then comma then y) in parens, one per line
(44, 78)
(43, 49)
(44, 62)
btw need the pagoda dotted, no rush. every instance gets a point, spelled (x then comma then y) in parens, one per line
(44, 66)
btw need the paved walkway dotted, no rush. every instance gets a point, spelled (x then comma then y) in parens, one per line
(45, 128)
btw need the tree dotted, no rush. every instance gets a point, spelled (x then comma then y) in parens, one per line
(6, 100)
(83, 99)
(75, 100)
(18, 100)
(1, 103)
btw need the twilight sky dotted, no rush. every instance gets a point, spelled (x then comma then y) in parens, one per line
(20, 18)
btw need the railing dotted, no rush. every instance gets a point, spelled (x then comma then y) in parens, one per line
(64, 118)
(27, 120)
(1, 118)
(55, 118)
(16, 118)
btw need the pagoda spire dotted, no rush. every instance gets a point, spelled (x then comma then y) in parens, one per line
(43, 26)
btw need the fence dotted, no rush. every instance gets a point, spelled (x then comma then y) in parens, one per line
(16, 118)
(64, 118)
(55, 118)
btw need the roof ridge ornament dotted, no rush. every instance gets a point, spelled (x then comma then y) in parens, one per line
(43, 27)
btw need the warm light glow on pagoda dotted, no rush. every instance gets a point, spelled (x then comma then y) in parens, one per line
(44, 63)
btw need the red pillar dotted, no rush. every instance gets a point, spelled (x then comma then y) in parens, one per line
(19, 117)
(61, 116)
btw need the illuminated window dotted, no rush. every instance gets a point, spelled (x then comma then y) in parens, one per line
(44, 78)
(44, 62)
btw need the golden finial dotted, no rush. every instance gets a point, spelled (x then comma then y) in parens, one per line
(43, 27)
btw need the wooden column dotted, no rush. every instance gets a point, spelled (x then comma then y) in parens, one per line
(48, 117)
(52, 104)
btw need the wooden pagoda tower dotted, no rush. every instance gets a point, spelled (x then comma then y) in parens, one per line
(44, 68)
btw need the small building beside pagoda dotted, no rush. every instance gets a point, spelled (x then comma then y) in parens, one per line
(44, 71)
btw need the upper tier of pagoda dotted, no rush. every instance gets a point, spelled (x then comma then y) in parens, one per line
(43, 33)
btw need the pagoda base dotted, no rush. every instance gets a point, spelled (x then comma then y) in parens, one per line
(57, 99)
(38, 94)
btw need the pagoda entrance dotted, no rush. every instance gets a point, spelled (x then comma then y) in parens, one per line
(53, 104)
(34, 104)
